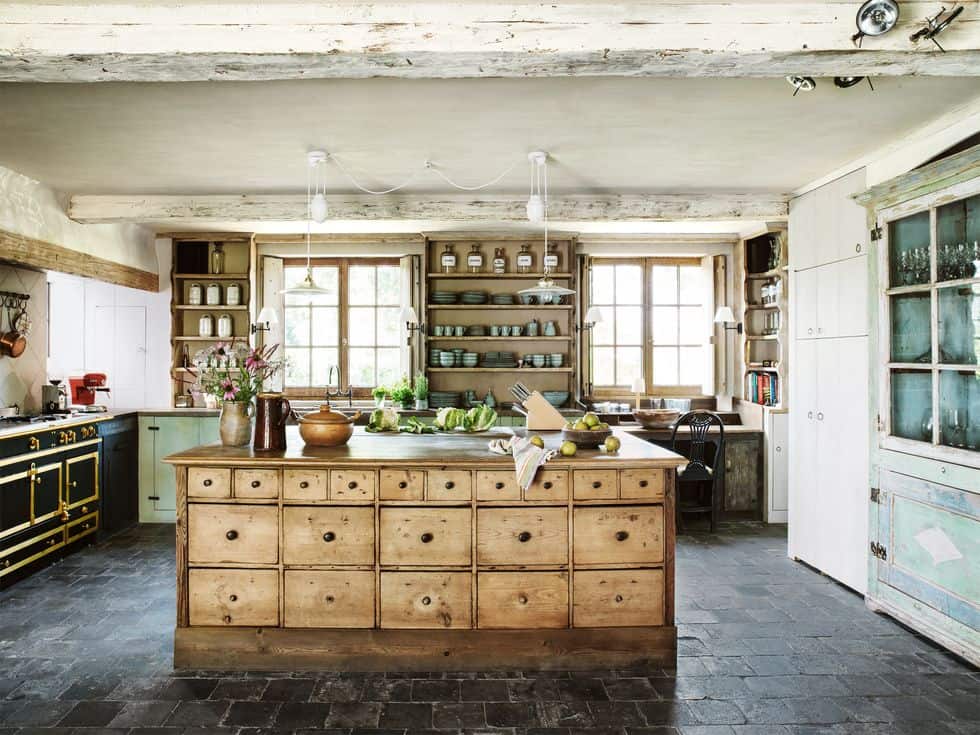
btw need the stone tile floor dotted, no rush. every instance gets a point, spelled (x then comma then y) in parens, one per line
(766, 646)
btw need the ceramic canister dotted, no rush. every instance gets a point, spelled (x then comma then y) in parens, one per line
(233, 294)
(205, 326)
(213, 296)
(225, 328)
(195, 294)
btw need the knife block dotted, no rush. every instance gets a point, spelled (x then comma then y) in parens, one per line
(541, 415)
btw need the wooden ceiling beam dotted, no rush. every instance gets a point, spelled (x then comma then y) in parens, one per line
(196, 41)
(158, 209)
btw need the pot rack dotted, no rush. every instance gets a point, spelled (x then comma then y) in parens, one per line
(10, 299)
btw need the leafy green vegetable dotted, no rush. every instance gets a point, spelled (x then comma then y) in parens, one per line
(414, 426)
(383, 419)
(478, 418)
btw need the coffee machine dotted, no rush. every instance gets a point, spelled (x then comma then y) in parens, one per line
(83, 390)
(54, 397)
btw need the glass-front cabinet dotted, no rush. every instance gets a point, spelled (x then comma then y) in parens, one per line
(931, 302)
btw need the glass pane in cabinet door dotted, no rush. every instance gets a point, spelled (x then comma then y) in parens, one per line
(911, 332)
(959, 409)
(958, 239)
(959, 325)
(912, 404)
(908, 250)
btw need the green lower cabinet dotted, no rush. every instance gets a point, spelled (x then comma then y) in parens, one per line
(159, 437)
(926, 559)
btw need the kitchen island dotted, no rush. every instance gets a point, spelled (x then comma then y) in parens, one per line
(421, 552)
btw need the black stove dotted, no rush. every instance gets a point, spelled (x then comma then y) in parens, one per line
(37, 418)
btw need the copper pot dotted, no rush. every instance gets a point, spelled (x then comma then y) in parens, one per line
(13, 343)
(327, 428)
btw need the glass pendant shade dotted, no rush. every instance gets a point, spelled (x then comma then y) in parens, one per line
(318, 208)
(548, 288)
(535, 208)
(307, 288)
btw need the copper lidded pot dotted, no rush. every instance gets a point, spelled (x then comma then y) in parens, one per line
(272, 411)
(326, 427)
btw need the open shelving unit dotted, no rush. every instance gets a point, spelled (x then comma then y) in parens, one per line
(500, 379)
(765, 321)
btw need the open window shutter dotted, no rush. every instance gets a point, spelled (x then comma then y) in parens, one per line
(708, 356)
(411, 279)
(272, 284)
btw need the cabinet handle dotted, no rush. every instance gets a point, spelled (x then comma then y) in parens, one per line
(304, 484)
(351, 485)
(84, 509)
(227, 619)
(73, 483)
(499, 485)
(426, 600)
(329, 599)
(450, 485)
(426, 537)
(547, 485)
(643, 483)
(34, 444)
(233, 598)
(329, 536)
(809, 414)
(402, 485)
(809, 330)
(256, 483)
(857, 248)
(208, 483)
(622, 535)
(6, 563)
(522, 599)
(524, 536)
(779, 449)
(52, 542)
(231, 535)
(819, 415)
(596, 484)
(619, 598)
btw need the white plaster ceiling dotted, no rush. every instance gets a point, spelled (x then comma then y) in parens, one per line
(605, 135)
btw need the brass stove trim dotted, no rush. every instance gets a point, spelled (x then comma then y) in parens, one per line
(75, 460)
(34, 557)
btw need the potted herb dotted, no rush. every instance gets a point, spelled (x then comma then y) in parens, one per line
(379, 394)
(402, 393)
(421, 392)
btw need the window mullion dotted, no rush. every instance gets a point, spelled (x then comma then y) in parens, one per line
(646, 354)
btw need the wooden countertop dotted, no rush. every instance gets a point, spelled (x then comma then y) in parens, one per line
(425, 449)
(638, 431)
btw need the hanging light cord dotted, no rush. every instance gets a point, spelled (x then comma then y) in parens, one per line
(428, 166)
(350, 177)
(432, 167)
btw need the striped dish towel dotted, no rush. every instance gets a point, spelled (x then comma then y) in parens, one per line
(527, 457)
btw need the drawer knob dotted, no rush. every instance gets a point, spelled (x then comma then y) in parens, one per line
(426, 600)
(619, 598)
(547, 485)
(233, 598)
(622, 535)
(596, 484)
(329, 599)
(256, 483)
(522, 599)
(6, 563)
(351, 484)
(524, 536)
(643, 483)
(304, 484)
(499, 485)
(329, 536)
(84, 509)
(227, 619)
(402, 485)
(207, 483)
(450, 485)
(231, 535)
(426, 537)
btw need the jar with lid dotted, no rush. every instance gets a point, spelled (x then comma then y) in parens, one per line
(499, 261)
(551, 261)
(233, 294)
(217, 258)
(205, 326)
(525, 260)
(474, 260)
(195, 294)
(225, 328)
(213, 295)
(448, 259)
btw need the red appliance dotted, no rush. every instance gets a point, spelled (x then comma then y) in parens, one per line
(84, 388)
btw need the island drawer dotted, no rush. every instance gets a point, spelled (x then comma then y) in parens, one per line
(522, 600)
(595, 484)
(426, 600)
(352, 485)
(521, 536)
(449, 485)
(618, 598)
(548, 485)
(642, 484)
(327, 535)
(235, 534)
(254, 484)
(208, 482)
(619, 535)
(328, 599)
(426, 536)
(497, 485)
(402, 485)
(304, 485)
(233, 596)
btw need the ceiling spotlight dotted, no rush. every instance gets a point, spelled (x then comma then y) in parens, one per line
(874, 18)
(801, 84)
(848, 82)
(936, 25)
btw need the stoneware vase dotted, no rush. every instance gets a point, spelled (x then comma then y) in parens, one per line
(235, 426)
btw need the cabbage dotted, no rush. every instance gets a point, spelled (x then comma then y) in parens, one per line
(383, 419)
(478, 418)
(449, 418)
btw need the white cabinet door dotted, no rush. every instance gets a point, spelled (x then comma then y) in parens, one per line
(804, 303)
(852, 228)
(828, 300)
(852, 277)
(803, 486)
(778, 464)
(802, 251)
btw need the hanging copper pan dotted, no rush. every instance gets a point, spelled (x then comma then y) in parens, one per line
(12, 342)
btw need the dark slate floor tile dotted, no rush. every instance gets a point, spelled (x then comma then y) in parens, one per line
(34, 713)
(239, 689)
(484, 690)
(375, 690)
(186, 689)
(288, 690)
(298, 715)
(667, 713)
(582, 690)
(435, 690)
(354, 714)
(616, 714)
(511, 714)
(143, 714)
(198, 714)
(631, 689)
(410, 715)
(250, 714)
(332, 689)
(91, 714)
(458, 715)
(564, 714)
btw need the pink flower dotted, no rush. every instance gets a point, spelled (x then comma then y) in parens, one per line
(221, 348)
(229, 389)
(255, 361)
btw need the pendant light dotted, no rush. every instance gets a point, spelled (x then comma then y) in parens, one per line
(315, 159)
(546, 290)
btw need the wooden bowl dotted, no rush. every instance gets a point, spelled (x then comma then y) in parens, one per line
(656, 418)
(586, 439)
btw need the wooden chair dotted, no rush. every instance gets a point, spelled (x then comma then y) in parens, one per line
(701, 469)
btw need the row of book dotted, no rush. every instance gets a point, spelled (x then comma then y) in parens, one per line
(762, 388)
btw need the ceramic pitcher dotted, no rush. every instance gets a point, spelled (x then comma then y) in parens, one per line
(272, 411)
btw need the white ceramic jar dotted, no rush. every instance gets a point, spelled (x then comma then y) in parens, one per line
(225, 329)
(214, 294)
(233, 294)
(195, 294)
(205, 326)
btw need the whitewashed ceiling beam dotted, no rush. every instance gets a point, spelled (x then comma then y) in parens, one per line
(98, 208)
(196, 41)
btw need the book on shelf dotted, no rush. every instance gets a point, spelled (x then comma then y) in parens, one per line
(763, 388)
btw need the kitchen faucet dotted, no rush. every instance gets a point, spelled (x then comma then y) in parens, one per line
(337, 392)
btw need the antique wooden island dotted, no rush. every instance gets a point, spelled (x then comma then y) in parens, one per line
(406, 552)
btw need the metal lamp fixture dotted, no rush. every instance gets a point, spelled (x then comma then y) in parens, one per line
(315, 159)
(724, 316)
(546, 289)
(936, 25)
(801, 84)
(874, 18)
(266, 319)
(412, 324)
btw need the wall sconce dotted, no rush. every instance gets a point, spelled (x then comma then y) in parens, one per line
(638, 388)
(592, 317)
(724, 316)
(412, 324)
(267, 318)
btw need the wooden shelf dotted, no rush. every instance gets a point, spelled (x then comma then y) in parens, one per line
(774, 273)
(762, 369)
(500, 370)
(500, 307)
(237, 338)
(216, 307)
(214, 276)
(510, 276)
(498, 338)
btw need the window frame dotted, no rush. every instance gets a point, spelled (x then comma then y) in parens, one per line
(646, 263)
(343, 306)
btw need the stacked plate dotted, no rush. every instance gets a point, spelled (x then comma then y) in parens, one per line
(442, 399)
(474, 297)
(434, 353)
(499, 360)
(443, 297)
(502, 299)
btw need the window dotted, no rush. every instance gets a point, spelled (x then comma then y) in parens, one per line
(654, 324)
(355, 326)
